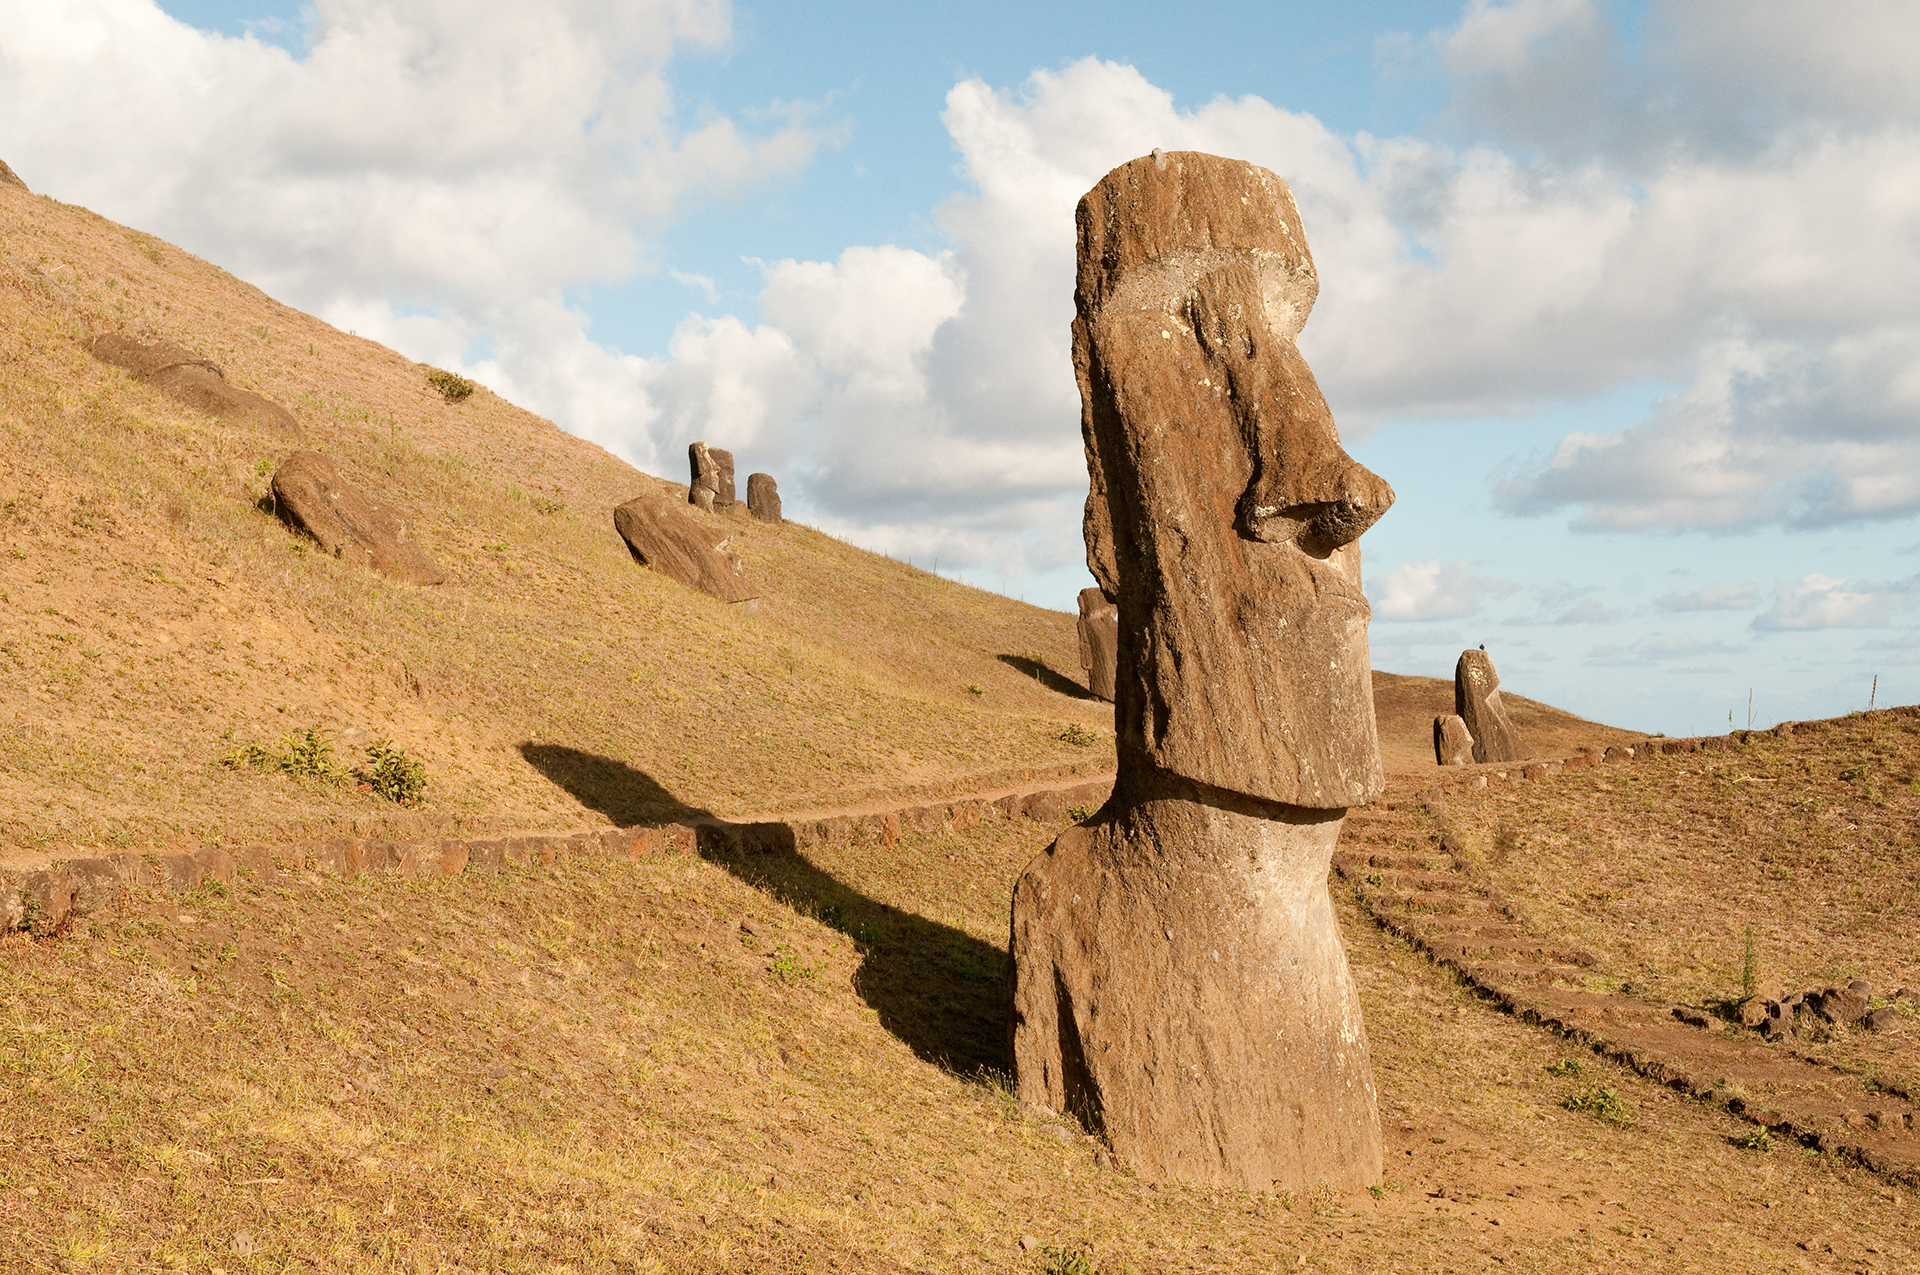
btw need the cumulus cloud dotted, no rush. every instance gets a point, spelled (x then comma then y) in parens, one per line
(1432, 590)
(1829, 602)
(433, 175)
(1712, 597)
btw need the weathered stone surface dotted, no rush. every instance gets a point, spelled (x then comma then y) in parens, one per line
(188, 378)
(1099, 641)
(1476, 700)
(1195, 1005)
(661, 535)
(724, 496)
(1179, 981)
(1452, 741)
(763, 498)
(10, 178)
(311, 496)
(703, 481)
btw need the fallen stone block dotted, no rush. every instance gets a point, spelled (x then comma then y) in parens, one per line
(312, 497)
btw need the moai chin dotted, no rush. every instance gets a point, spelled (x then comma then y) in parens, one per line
(1179, 980)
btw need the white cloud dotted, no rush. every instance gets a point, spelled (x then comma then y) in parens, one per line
(1829, 602)
(1712, 597)
(1431, 590)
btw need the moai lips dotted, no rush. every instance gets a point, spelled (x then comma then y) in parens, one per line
(1179, 980)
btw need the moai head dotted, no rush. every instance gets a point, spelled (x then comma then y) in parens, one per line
(1223, 512)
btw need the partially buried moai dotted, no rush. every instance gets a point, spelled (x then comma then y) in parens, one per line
(1179, 981)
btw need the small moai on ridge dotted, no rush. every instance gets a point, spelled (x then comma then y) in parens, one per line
(1099, 641)
(1452, 741)
(1476, 700)
(1179, 980)
(710, 487)
(763, 498)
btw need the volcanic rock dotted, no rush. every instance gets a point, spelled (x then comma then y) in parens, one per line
(1476, 700)
(1179, 982)
(189, 378)
(1099, 641)
(724, 497)
(311, 496)
(1452, 741)
(763, 498)
(703, 482)
(662, 535)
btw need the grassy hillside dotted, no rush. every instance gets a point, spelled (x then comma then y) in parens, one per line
(154, 615)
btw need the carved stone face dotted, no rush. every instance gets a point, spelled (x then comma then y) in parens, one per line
(1223, 512)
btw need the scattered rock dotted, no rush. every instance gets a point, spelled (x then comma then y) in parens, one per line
(311, 496)
(1755, 1010)
(661, 535)
(188, 378)
(1476, 700)
(1099, 641)
(1179, 982)
(763, 498)
(1028, 1243)
(10, 178)
(1452, 741)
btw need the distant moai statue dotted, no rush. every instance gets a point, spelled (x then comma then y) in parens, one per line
(763, 498)
(1179, 981)
(1452, 741)
(1476, 701)
(711, 485)
(1099, 641)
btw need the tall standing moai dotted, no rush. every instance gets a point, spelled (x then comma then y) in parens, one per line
(1476, 701)
(1179, 980)
(711, 485)
(1099, 630)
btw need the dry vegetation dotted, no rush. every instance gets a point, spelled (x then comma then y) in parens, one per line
(154, 614)
(663, 1067)
(1662, 868)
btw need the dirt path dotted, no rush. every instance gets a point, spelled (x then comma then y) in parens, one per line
(1414, 881)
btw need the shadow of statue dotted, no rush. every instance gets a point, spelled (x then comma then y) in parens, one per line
(1041, 673)
(938, 989)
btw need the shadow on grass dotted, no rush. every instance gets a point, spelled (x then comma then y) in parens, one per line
(938, 989)
(1040, 673)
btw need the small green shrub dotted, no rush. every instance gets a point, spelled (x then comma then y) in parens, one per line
(1565, 1067)
(1067, 1261)
(1760, 1139)
(788, 967)
(452, 388)
(1079, 814)
(392, 774)
(1602, 1104)
(1079, 736)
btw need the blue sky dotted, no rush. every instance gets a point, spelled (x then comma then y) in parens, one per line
(1621, 298)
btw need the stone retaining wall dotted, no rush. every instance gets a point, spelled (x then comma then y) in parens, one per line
(1655, 746)
(51, 900)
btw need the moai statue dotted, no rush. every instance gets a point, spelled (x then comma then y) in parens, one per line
(724, 499)
(763, 498)
(1099, 641)
(1476, 699)
(1179, 980)
(705, 481)
(1452, 741)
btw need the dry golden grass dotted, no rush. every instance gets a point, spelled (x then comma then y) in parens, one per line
(663, 1067)
(153, 616)
(1662, 867)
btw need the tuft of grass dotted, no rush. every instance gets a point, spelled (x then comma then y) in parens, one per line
(392, 774)
(1602, 1103)
(1078, 735)
(1067, 1261)
(1760, 1139)
(452, 388)
(1748, 978)
(1565, 1067)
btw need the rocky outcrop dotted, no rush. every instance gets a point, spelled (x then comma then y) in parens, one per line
(763, 498)
(311, 496)
(1179, 980)
(10, 178)
(662, 535)
(1452, 741)
(189, 378)
(1099, 641)
(1476, 701)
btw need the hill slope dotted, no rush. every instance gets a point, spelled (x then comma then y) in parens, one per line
(154, 615)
